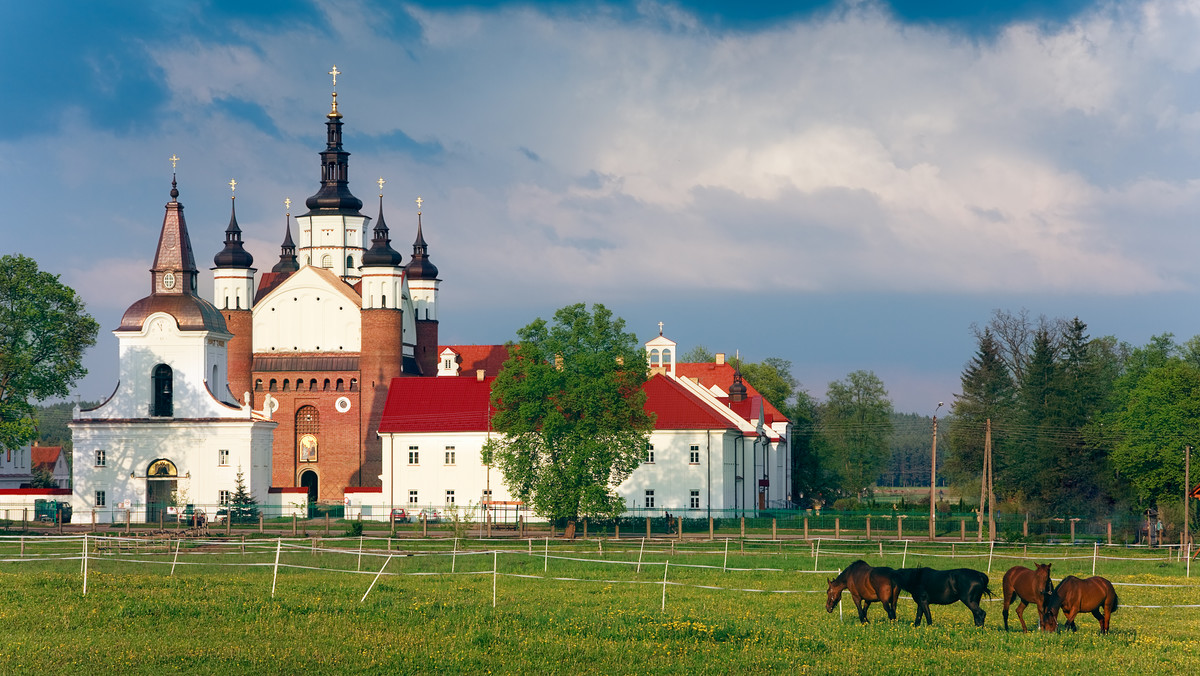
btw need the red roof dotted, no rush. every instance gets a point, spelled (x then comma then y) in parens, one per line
(721, 375)
(474, 357)
(676, 408)
(436, 405)
(45, 457)
(417, 405)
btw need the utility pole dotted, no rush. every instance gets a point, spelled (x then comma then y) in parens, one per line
(983, 481)
(1187, 494)
(933, 478)
(991, 495)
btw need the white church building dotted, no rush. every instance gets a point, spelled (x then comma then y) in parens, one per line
(171, 432)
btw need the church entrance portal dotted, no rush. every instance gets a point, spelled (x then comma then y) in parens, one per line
(308, 479)
(162, 480)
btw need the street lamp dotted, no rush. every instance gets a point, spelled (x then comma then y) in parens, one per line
(933, 477)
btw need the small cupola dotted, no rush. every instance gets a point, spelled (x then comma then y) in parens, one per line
(233, 255)
(287, 251)
(420, 267)
(381, 253)
(660, 352)
(737, 391)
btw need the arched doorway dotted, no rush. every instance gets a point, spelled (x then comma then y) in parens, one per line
(308, 479)
(162, 480)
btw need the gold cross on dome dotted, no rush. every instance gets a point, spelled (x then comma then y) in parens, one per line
(232, 185)
(173, 160)
(335, 72)
(419, 203)
(287, 204)
(381, 182)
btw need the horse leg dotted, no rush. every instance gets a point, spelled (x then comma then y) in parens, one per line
(1070, 617)
(1020, 615)
(890, 607)
(925, 610)
(862, 609)
(977, 613)
(1008, 599)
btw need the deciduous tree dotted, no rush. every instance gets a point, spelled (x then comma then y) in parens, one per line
(570, 406)
(44, 331)
(857, 426)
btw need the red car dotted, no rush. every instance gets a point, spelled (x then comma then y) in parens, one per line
(400, 516)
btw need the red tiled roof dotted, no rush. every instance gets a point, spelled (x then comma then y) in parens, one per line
(45, 457)
(474, 357)
(462, 405)
(721, 375)
(436, 405)
(677, 409)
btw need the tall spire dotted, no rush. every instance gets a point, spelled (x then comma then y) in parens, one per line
(381, 253)
(233, 255)
(174, 271)
(420, 266)
(287, 251)
(334, 195)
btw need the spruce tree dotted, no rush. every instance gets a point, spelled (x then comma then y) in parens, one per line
(243, 508)
(988, 392)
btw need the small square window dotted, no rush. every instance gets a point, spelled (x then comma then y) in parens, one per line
(650, 499)
(223, 457)
(412, 497)
(694, 499)
(449, 455)
(449, 497)
(100, 459)
(224, 498)
(100, 496)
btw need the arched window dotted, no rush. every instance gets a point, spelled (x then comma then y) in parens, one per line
(666, 357)
(308, 429)
(326, 384)
(312, 384)
(326, 261)
(654, 357)
(273, 385)
(340, 384)
(258, 384)
(349, 262)
(353, 384)
(299, 384)
(164, 404)
(286, 383)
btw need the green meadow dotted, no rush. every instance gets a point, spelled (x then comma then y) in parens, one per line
(582, 607)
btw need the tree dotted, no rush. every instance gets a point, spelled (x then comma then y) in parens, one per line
(243, 508)
(44, 331)
(570, 406)
(43, 478)
(772, 378)
(857, 425)
(988, 392)
(697, 355)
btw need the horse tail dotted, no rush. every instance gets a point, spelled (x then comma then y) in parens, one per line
(987, 591)
(1114, 608)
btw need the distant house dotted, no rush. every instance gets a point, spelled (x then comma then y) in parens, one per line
(17, 466)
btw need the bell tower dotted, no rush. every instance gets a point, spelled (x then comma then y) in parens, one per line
(233, 294)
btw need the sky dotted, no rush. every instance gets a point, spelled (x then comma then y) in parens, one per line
(846, 185)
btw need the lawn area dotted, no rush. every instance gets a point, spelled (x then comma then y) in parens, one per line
(559, 608)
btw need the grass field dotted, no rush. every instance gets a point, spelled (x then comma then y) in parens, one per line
(559, 608)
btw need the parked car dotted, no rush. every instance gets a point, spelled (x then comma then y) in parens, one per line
(431, 515)
(400, 515)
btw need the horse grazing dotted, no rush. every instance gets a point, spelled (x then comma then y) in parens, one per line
(866, 585)
(943, 587)
(1031, 586)
(1072, 595)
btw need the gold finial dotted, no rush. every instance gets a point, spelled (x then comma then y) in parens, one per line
(333, 111)
(419, 202)
(335, 72)
(287, 205)
(232, 186)
(381, 182)
(173, 160)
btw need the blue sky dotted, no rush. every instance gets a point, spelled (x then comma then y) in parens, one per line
(847, 185)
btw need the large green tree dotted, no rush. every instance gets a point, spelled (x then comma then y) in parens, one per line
(44, 331)
(570, 407)
(988, 393)
(857, 427)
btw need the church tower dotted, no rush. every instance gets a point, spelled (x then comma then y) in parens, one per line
(383, 320)
(423, 286)
(233, 293)
(332, 231)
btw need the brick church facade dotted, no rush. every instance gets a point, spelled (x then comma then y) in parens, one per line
(327, 329)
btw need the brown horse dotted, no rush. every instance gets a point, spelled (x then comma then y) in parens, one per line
(1032, 586)
(1072, 595)
(866, 585)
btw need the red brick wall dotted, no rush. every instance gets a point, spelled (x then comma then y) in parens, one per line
(427, 346)
(239, 359)
(381, 359)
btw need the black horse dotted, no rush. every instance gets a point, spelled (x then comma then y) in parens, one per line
(943, 587)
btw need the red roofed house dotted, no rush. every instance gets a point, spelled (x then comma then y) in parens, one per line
(717, 444)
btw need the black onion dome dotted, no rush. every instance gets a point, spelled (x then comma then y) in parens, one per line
(334, 197)
(420, 266)
(233, 255)
(287, 251)
(737, 391)
(381, 253)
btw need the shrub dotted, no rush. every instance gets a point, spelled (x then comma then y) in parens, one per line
(846, 504)
(354, 530)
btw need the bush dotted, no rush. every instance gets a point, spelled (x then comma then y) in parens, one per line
(355, 530)
(846, 504)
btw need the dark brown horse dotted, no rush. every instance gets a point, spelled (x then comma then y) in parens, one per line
(1031, 586)
(1094, 595)
(944, 587)
(866, 585)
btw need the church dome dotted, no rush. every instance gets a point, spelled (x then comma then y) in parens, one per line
(192, 313)
(233, 255)
(420, 267)
(381, 253)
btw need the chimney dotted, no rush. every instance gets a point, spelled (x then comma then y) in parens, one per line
(479, 375)
(720, 358)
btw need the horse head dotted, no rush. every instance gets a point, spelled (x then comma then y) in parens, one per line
(1041, 574)
(1050, 608)
(833, 596)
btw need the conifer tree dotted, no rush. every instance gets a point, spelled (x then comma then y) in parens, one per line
(243, 508)
(988, 392)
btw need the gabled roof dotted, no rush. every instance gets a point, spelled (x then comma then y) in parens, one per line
(675, 408)
(306, 275)
(436, 405)
(474, 357)
(44, 457)
(711, 374)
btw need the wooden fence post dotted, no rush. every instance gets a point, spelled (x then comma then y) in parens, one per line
(868, 526)
(647, 526)
(326, 524)
(260, 522)
(1025, 527)
(774, 533)
(585, 528)
(679, 526)
(837, 527)
(710, 528)
(293, 524)
(900, 528)
(963, 522)
(743, 528)
(1110, 532)
(806, 528)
